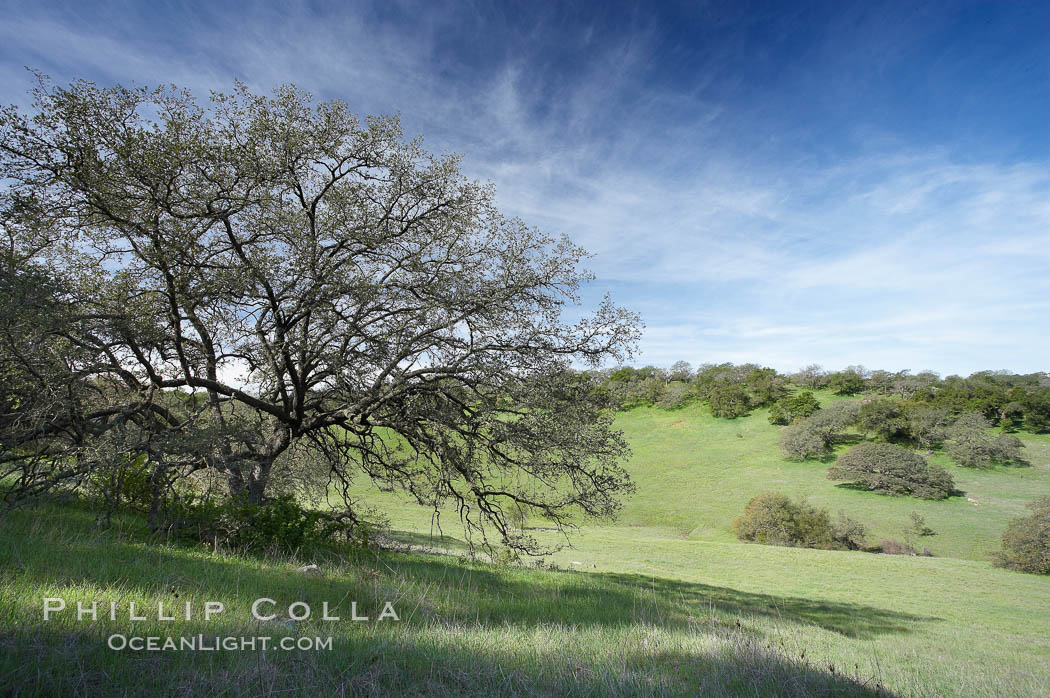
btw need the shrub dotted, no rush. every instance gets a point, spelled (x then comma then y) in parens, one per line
(279, 524)
(772, 518)
(812, 376)
(1026, 541)
(849, 532)
(971, 445)
(835, 417)
(127, 483)
(793, 408)
(892, 546)
(764, 386)
(891, 469)
(918, 526)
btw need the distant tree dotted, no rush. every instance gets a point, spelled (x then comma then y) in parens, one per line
(802, 442)
(906, 386)
(1011, 418)
(1037, 411)
(813, 438)
(764, 386)
(675, 395)
(882, 417)
(917, 526)
(928, 377)
(1026, 540)
(849, 532)
(680, 371)
(624, 374)
(847, 382)
(891, 469)
(729, 400)
(971, 445)
(653, 389)
(836, 417)
(793, 408)
(652, 372)
(812, 376)
(926, 425)
(883, 382)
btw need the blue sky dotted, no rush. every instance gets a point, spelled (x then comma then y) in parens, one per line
(784, 183)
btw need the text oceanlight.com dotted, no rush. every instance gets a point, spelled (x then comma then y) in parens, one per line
(214, 643)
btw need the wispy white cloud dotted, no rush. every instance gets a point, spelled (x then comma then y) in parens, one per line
(901, 255)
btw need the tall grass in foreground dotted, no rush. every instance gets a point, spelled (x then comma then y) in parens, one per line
(465, 629)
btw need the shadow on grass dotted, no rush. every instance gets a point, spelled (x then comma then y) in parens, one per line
(861, 487)
(54, 661)
(433, 587)
(426, 542)
(848, 619)
(465, 629)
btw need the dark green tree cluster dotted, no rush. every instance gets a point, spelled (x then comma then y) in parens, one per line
(968, 438)
(1009, 401)
(848, 382)
(1006, 400)
(729, 390)
(793, 408)
(733, 391)
(885, 419)
(632, 387)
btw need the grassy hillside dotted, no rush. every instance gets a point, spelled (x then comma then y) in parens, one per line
(676, 617)
(663, 601)
(965, 620)
(695, 473)
(464, 628)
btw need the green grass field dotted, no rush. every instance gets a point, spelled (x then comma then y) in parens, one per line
(663, 601)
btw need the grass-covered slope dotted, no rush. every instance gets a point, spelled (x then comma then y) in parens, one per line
(662, 602)
(641, 615)
(695, 473)
(464, 629)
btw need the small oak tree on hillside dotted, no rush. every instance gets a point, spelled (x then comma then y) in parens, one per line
(970, 444)
(891, 469)
(1026, 540)
(793, 408)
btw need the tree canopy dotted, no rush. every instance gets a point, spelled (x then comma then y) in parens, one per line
(261, 274)
(891, 469)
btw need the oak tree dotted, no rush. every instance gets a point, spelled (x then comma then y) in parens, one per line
(254, 275)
